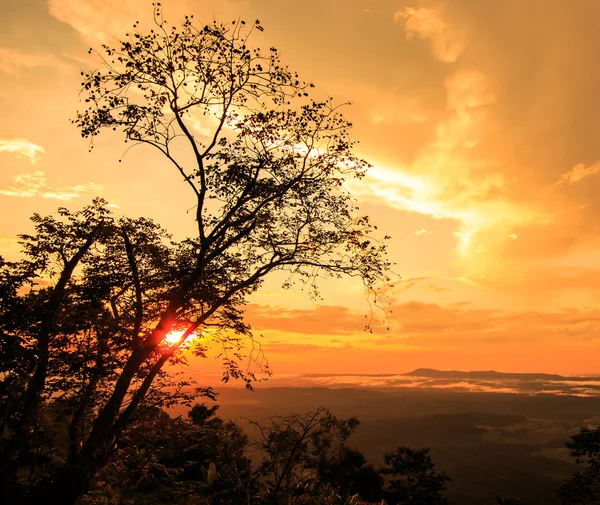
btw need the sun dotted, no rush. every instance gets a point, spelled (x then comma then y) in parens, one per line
(175, 335)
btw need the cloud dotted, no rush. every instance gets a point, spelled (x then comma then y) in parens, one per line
(578, 173)
(99, 21)
(388, 108)
(321, 320)
(36, 184)
(447, 43)
(292, 348)
(427, 327)
(12, 61)
(547, 282)
(451, 177)
(431, 284)
(499, 160)
(22, 148)
(458, 325)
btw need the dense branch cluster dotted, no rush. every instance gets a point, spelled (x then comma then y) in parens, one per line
(265, 161)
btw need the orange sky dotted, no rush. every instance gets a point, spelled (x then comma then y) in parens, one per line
(481, 121)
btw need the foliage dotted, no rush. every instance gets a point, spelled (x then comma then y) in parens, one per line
(583, 488)
(307, 455)
(304, 460)
(72, 312)
(413, 477)
(268, 179)
(164, 460)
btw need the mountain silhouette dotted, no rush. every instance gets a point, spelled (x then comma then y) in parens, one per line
(489, 374)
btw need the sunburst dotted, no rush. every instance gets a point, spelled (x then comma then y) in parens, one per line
(174, 336)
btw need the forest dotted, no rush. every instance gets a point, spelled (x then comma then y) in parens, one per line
(102, 312)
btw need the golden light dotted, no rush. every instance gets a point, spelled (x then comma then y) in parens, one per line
(174, 336)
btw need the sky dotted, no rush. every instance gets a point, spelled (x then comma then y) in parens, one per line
(481, 121)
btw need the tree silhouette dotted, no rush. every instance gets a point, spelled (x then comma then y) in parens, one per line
(413, 478)
(29, 323)
(269, 186)
(503, 500)
(287, 465)
(583, 488)
(165, 460)
(306, 457)
(201, 414)
(343, 470)
(63, 359)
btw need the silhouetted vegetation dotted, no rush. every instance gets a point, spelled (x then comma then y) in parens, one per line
(583, 488)
(165, 460)
(413, 478)
(299, 459)
(305, 458)
(86, 312)
(308, 455)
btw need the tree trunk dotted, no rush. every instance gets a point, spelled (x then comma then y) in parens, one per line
(77, 476)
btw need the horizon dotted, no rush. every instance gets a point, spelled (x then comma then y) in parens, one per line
(426, 379)
(405, 372)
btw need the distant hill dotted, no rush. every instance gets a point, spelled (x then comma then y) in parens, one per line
(488, 374)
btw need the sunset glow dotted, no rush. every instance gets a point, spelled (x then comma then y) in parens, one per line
(174, 336)
(480, 120)
(265, 252)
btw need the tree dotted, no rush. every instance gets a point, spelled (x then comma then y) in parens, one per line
(307, 455)
(287, 465)
(413, 478)
(349, 475)
(222, 444)
(269, 187)
(62, 359)
(165, 460)
(583, 488)
(29, 322)
(341, 469)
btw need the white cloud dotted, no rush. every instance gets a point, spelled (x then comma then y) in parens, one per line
(447, 44)
(453, 177)
(392, 109)
(36, 184)
(445, 180)
(578, 173)
(99, 21)
(13, 61)
(22, 148)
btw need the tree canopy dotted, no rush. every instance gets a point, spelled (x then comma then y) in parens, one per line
(583, 488)
(266, 164)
